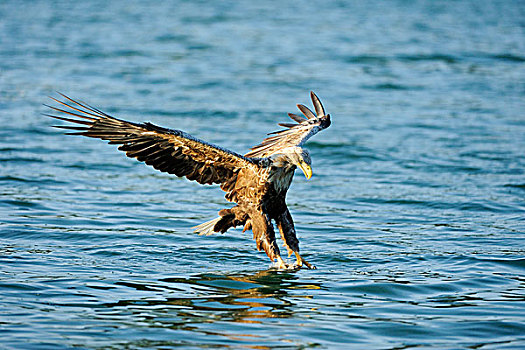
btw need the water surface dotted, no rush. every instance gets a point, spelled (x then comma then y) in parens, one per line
(414, 216)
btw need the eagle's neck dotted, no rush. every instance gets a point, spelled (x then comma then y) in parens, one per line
(281, 174)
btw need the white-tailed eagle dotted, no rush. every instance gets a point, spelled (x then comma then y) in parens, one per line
(257, 181)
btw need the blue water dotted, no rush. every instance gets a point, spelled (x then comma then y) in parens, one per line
(414, 215)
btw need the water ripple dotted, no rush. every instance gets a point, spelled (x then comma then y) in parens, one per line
(414, 215)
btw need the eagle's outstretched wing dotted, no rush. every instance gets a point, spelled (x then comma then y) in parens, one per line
(294, 134)
(171, 151)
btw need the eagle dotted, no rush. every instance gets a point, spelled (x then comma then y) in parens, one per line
(257, 182)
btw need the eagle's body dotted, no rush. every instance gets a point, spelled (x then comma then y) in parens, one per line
(257, 182)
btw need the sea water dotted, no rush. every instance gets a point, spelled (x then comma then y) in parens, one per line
(414, 216)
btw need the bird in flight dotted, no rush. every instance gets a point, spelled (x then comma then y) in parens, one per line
(257, 181)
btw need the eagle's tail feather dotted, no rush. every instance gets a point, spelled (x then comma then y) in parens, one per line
(206, 228)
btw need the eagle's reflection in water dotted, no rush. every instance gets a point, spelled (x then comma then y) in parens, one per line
(228, 306)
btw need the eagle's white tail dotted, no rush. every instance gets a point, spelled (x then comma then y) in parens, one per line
(206, 228)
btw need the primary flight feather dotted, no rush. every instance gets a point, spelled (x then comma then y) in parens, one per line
(257, 181)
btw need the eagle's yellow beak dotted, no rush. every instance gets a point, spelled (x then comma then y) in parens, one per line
(307, 170)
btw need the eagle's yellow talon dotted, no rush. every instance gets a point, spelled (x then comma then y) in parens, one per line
(301, 261)
(282, 265)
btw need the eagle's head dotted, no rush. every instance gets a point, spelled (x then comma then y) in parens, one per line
(294, 156)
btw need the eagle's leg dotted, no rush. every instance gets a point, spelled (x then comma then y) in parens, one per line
(264, 235)
(287, 230)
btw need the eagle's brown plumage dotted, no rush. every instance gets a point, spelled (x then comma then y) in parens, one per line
(257, 181)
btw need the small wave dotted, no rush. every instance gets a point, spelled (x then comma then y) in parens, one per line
(390, 86)
(22, 204)
(21, 160)
(519, 186)
(464, 206)
(511, 263)
(366, 59)
(509, 57)
(429, 57)
(21, 179)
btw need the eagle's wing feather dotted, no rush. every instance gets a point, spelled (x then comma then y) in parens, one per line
(167, 150)
(294, 134)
